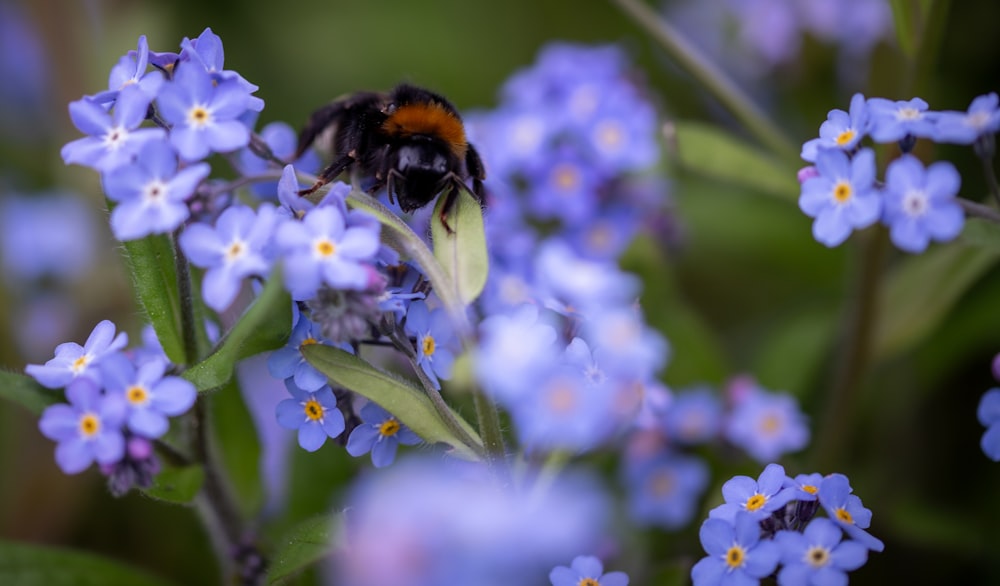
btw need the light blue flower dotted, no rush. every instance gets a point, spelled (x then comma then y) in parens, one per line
(436, 342)
(586, 570)
(767, 425)
(988, 414)
(920, 204)
(88, 429)
(313, 414)
(817, 556)
(664, 490)
(238, 246)
(757, 498)
(736, 553)
(204, 114)
(982, 118)
(73, 361)
(842, 197)
(380, 433)
(841, 130)
(151, 194)
(150, 396)
(112, 139)
(847, 511)
(895, 120)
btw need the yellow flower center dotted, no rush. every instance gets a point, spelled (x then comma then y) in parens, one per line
(389, 427)
(588, 582)
(325, 248)
(842, 192)
(610, 134)
(199, 117)
(566, 177)
(90, 424)
(308, 342)
(844, 516)
(810, 488)
(755, 502)
(235, 250)
(845, 137)
(770, 424)
(909, 114)
(735, 557)
(137, 395)
(80, 363)
(428, 345)
(314, 411)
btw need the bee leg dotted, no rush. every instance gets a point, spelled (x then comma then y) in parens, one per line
(329, 174)
(450, 198)
(390, 185)
(474, 166)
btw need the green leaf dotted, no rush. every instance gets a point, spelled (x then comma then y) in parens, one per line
(177, 485)
(921, 291)
(982, 233)
(36, 565)
(238, 445)
(154, 277)
(462, 253)
(265, 326)
(307, 543)
(24, 391)
(399, 397)
(713, 152)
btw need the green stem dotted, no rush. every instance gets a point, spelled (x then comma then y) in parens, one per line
(402, 344)
(220, 513)
(711, 77)
(861, 320)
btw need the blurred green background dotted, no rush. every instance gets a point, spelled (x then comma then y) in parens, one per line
(746, 291)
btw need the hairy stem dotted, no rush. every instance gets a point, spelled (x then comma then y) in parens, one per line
(711, 77)
(978, 210)
(861, 319)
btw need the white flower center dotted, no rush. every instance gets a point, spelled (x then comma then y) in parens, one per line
(915, 203)
(115, 138)
(154, 192)
(199, 116)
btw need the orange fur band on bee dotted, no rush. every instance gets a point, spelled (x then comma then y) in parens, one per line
(431, 119)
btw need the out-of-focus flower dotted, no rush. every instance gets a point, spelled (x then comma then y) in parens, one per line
(920, 204)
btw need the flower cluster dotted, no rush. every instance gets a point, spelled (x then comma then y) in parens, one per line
(665, 484)
(755, 37)
(431, 521)
(988, 414)
(917, 203)
(771, 522)
(118, 404)
(565, 151)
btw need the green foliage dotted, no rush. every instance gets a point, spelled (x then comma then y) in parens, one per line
(238, 445)
(307, 543)
(177, 485)
(462, 252)
(35, 565)
(265, 326)
(154, 278)
(396, 395)
(22, 390)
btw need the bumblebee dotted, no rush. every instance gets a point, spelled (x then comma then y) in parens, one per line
(410, 141)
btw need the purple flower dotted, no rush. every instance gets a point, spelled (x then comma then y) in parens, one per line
(628, 344)
(516, 351)
(380, 434)
(151, 193)
(112, 139)
(50, 235)
(892, 121)
(920, 204)
(314, 414)
(87, 429)
(565, 278)
(694, 417)
(564, 186)
(846, 510)
(758, 498)
(288, 362)
(150, 396)
(664, 490)
(586, 570)
(982, 118)
(238, 246)
(768, 425)
(817, 556)
(988, 413)
(841, 130)
(564, 411)
(843, 197)
(806, 486)
(73, 361)
(736, 553)
(131, 70)
(622, 132)
(282, 140)
(436, 340)
(208, 52)
(204, 113)
(324, 249)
